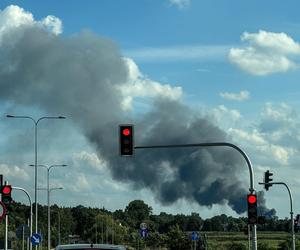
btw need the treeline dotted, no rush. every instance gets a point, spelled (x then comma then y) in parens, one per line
(122, 226)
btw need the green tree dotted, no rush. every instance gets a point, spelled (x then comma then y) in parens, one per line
(136, 212)
(177, 239)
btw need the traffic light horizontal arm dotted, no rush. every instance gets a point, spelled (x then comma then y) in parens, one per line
(284, 184)
(210, 144)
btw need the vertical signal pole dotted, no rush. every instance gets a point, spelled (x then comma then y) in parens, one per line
(219, 144)
(31, 213)
(291, 206)
(6, 232)
(6, 228)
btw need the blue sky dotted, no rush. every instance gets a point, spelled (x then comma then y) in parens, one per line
(236, 63)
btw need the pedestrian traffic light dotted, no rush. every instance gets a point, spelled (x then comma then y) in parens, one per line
(6, 195)
(126, 140)
(267, 179)
(252, 208)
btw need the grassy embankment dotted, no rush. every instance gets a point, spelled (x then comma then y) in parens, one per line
(222, 240)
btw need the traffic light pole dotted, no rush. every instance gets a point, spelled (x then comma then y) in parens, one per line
(6, 227)
(219, 144)
(6, 233)
(291, 205)
(30, 203)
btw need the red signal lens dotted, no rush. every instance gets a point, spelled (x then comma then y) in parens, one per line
(6, 190)
(126, 132)
(252, 199)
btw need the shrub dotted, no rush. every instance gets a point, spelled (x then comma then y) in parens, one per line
(265, 246)
(237, 246)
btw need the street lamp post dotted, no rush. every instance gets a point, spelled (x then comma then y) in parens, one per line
(48, 196)
(49, 231)
(36, 122)
(58, 217)
(59, 228)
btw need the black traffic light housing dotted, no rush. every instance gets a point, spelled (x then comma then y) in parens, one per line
(297, 223)
(252, 208)
(126, 140)
(267, 180)
(6, 195)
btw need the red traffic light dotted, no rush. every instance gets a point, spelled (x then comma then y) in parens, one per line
(252, 199)
(6, 190)
(126, 132)
(126, 139)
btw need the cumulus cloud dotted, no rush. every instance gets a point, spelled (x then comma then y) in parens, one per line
(13, 17)
(52, 23)
(92, 160)
(266, 53)
(280, 125)
(139, 85)
(282, 113)
(181, 4)
(242, 96)
(254, 137)
(279, 121)
(262, 145)
(223, 115)
(14, 172)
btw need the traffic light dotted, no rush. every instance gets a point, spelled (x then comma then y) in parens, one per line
(252, 208)
(267, 179)
(126, 140)
(297, 223)
(6, 195)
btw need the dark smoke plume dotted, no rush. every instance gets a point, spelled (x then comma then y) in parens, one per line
(79, 77)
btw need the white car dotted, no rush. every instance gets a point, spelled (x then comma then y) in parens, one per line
(90, 247)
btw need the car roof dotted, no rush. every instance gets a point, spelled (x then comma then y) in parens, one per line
(90, 246)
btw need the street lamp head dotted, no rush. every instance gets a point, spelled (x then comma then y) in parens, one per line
(61, 117)
(10, 116)
(31, 165)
